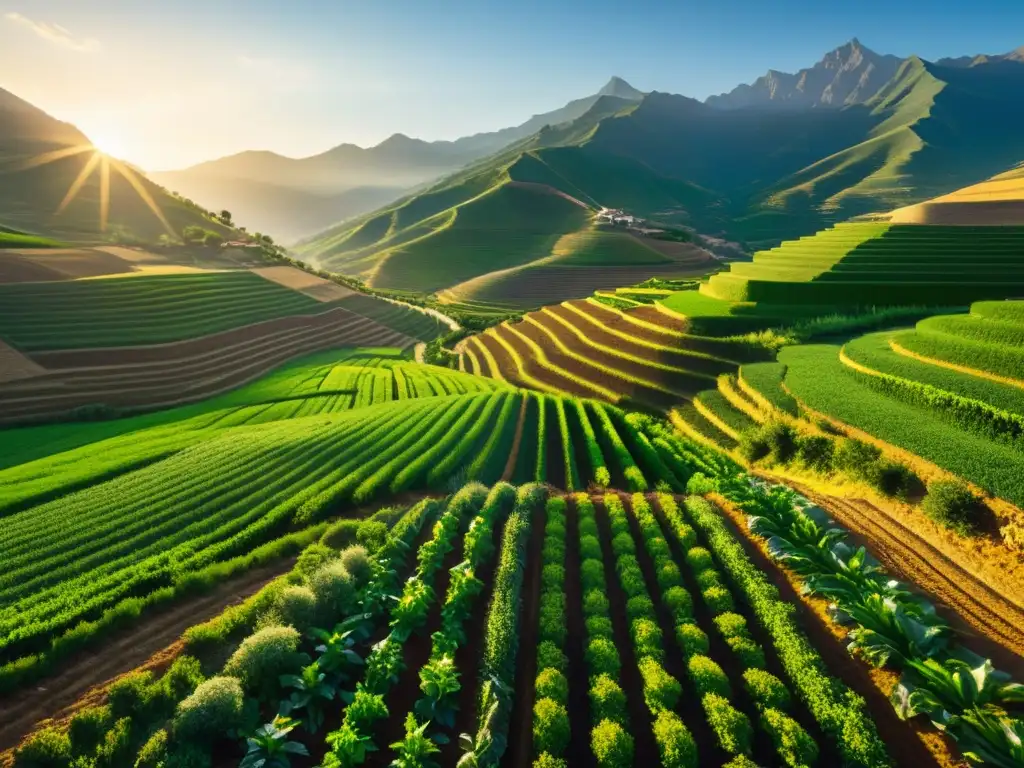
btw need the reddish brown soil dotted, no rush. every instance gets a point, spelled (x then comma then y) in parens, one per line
(513, 455)
(654, 316)
(520, 731)
(83, 680)
(684, 254)
(640, 723)
(49, 264)
(181, 372)
(554, 470)
(900, 737)
(990, 624)
(579, 700)
(14, 366)
(533, 367)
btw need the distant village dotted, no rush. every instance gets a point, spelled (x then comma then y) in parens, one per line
(619, 218)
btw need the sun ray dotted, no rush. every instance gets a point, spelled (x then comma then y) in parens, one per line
(104, 192)
(79, 182)
(143, 193)
(51, 157)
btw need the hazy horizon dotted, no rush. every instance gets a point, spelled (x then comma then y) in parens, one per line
(167, 88)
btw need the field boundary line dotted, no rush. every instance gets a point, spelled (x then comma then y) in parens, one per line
(711, 416)
(510, 465)
(643, 323)
(899, 349)
(734, 395)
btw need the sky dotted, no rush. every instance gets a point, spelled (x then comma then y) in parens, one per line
(172, 83)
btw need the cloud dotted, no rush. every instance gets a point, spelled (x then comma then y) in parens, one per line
(56, 34)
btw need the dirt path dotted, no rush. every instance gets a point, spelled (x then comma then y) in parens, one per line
(152, 644)
(510, 465)
(991, 624)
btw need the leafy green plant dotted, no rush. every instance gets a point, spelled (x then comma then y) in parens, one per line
(335, 652)
(262, 658)
(675, 742)
(384, 665)
(550, 727)
(439, 682)
(692, 639)
(679, 603)
(365, 709)
(416, 749)
(661, 690)
(793, 744)
(607, 699)
(349, 747)
(708, 677)
(647, 640)
(551, 684)
(603, 657)
(747, 652)
(310, 688)
(766, 689)
(549, 655)
(731, 727)
(952, 504)
(46, 748)
(611, 745)
(940, 689)
(269, 746)
(210, 712)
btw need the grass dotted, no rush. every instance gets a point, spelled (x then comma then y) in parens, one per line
(24, 240)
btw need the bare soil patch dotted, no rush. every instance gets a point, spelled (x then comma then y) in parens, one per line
(15, 366)
(303, 282)
(510, 465)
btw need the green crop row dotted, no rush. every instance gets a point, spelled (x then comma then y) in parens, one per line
(572, 476)
(598, 469)
(612, 445)
(501, 636)
(1004, 360)
(840, 713)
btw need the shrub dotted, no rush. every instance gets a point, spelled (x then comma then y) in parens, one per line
(640, 607)
(692, 639)
(550, 656)
(551, 684)
(632, 580)
(607, 700)
(335, 592)
(116, 749)
(182, 678)
(595, 603)
(765, 689)
(731, 625)
(891, 478)
(588, 526)
(741, 761)
(816, 452)
(357, 562)
(553, 576)
(602, 657)
(707, 676)
(700, 484)
(675, 742)
(699, 559)
(592, 574)
(553, 551)
(854, 457)
(214, 709)
(623, 543)
(365, 709)
(647, 638)
(658, 548)
(669, 576)
(47, 748)
(599, 626)
(154, 752)
(262, 658)
(296, 607)
(550, 726)
(718, 599)
(86, 729)
(552, 624)
(794, 745)
(781, 439)
(679, 603)
(952, 504)
(311, 559)
(612, 746)
(340, 534)
(731, 727)
(749, 654)
(753, 446)
(371, 535)
(708, 578)
(590, 548)
(661, 690)
(686, 536)
(548, 761)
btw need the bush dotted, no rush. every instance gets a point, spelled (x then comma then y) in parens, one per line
(116, 749)
(718, 599)
(731, 727)
(741, 761)
(262, 658)
(48, 748)
(592, 574)
(669, 576)
(607, 700)
(341, 534)
(365, 709)
(210, 712)
(699, 559)
(640, 607)
(675, 742)
(611, 745)
(687, 536)
(658, 548)
(296, 607)
(749, 654)
(590, 548)
(547, 761)
(602, 657)
(952, 504)
(753, 446)
(781, 439)
(623, 543)
(794, 745)
(551, 684)
(588, 526)
(765, 689)
(731, 625)
(854, 457)
(154, 752)
(357, 562)
(708, 677)
(692, 639)
(372, 534)
(311, 559)
(550, 726)
(891, 478)
(335, 592)
(550, 656)
(647, 638)
(553, 551)
(599, 626)
(87, 728)
(708, 578)
(182, 678)
(553, 576)
(551, 622)
(661, 690)
(678, 602)
(632, 580)
(816, 452)
(595, 603)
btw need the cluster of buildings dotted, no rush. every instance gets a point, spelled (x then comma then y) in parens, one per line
(618, 216)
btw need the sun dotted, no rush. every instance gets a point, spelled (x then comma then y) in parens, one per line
(110, 145)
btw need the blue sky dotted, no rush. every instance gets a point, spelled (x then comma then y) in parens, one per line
(166, 84)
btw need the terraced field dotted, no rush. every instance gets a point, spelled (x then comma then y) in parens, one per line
(864, 264)
(592, 350)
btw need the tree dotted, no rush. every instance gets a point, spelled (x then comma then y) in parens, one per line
(212, 240)
(225, 217)
(193, 234)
